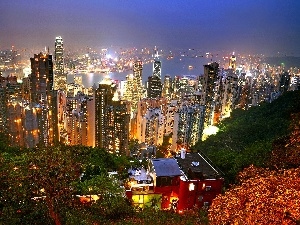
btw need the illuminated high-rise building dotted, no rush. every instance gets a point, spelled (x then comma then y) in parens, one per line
(41, 77)
(228, 92)
(188, 125)
(232, 62)
(150, 121)
(60, 81)
(116, 127)
(154, 85)
(157, 68)
(112, 119)
(103, 96)
(167, 87)
(128, 93)
(76, 121)
(209, 85)
(44, 98)
(138, 90)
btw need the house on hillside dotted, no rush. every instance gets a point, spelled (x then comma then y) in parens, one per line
(178, 183)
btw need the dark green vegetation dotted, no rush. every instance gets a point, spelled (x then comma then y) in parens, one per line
(42, 185)
(51, 176)
(248, 137)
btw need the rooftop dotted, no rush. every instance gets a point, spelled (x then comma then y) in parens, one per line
(196, 166)
(166, 167)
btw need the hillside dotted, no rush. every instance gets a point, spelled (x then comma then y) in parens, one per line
(246, 137)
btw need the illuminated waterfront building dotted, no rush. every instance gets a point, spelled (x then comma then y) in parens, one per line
(73, 89)
(60, 78)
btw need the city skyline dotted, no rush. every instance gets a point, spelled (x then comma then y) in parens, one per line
(266, 27)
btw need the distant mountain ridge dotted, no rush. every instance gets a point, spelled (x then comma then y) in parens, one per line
(288, 61)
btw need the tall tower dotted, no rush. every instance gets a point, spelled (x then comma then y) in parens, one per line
(138, 89)
(210, 87)
(44, 98)
(157, 68)
(154, 84)
(60, 76)
(112, 118)
(103, 96)
(232, 62)
(41, 78)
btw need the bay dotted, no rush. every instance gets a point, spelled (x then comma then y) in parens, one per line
(178, 66)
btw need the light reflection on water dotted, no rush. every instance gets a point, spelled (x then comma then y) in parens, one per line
(174, 67)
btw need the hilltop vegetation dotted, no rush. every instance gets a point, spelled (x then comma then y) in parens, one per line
(248, 137)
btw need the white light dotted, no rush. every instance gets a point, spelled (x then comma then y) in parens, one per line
(191, 187)
(210, 130)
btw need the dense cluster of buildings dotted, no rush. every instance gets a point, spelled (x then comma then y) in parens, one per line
(176, 112)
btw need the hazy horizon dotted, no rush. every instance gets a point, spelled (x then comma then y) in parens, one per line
(256, 26)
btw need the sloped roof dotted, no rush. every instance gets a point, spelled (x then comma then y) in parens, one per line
(196, 166)
(166, 167)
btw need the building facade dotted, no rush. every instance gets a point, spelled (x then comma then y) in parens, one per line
(60, 81)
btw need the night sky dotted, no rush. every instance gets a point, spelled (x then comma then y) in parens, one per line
(246, 26)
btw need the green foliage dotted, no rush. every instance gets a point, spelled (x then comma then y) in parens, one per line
(246, 137)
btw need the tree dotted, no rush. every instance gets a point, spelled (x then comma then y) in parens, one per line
(52, 172)
(286, 149)
(262, 197)
(38, 182)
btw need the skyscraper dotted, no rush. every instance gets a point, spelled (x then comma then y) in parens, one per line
(112, 119)
(43, 98)
(41, 78)
(103, 96)
(138, 90)
(157, 68)
(210, 88)
(60, 81)
(154, 85)
(232, 62)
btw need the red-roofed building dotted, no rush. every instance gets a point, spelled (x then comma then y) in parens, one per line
(178, 183)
